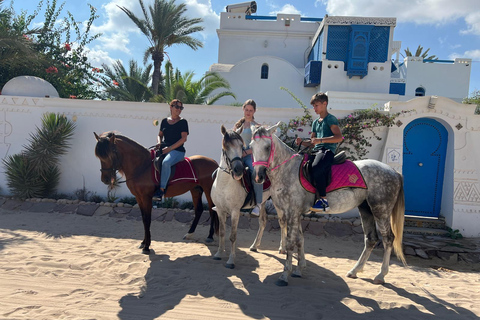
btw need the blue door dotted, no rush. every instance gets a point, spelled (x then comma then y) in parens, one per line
(424, 150)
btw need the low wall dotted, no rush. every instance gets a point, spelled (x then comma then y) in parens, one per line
(80, 168)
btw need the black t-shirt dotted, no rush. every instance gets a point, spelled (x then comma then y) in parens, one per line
(173, 132)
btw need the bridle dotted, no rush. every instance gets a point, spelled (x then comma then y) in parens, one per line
(115, 161)
(267, 163)
(229, 163)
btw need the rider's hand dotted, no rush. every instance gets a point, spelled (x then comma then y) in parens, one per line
(165, 150)
(298, 141)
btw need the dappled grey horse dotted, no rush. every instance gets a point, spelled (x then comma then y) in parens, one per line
(229, 195)
(381, 204)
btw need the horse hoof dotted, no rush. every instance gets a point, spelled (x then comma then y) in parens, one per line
(281, 283)
(351, 275)
(282, 252)
(209, 240)
(254, 249)
(294, 275)
(146, 251)
(141, 246)
(378, 281)
(230, 265)
(217, 258)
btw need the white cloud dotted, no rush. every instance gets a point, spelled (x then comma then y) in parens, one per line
(287, 8)
(469, 54)
(416, 11)
(203, 9)
(99, 57)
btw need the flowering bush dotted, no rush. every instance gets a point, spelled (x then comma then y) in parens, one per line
(357, 128)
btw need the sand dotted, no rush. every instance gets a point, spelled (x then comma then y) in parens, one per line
(68, 266)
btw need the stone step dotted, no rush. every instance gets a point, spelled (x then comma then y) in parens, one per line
(418, 222)
(425, 231)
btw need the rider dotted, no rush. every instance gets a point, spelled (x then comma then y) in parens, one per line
(325, 136)
(244, 128)
(173, 131)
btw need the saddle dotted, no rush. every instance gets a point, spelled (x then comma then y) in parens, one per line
(344, 174)
(181, 172)
(306, 169)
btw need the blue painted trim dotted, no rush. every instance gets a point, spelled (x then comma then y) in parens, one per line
(250, 17)
(397, 88)
(440, 61)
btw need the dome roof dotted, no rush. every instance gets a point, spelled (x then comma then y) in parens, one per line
(29, 86)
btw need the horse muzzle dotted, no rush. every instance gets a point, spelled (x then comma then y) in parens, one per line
(260, 174)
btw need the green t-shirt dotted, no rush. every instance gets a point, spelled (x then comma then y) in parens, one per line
(322, 130)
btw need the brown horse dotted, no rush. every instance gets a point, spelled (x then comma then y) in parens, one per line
(119, 153)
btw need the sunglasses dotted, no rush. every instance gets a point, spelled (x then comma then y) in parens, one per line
(178, 107)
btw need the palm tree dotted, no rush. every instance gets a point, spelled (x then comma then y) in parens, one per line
(183, 87)
(127, 86)
(419, 53)
(164, 25)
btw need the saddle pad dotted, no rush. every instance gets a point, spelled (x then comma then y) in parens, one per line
(345, 175)
(182, 172)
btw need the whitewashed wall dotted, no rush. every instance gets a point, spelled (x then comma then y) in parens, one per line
(20, 115)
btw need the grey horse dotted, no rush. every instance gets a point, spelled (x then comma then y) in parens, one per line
(381, 205)
(229, 195)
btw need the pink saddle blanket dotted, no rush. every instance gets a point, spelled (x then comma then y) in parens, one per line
(345, 175)
(183, 171)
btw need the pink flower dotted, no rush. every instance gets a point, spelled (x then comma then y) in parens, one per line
(300, 129)
(67, 46)
(73, 97)
(51, 69)
(115, 83)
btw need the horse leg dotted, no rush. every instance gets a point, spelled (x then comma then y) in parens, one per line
(387, 239)
(222, 217)
(371, 238)
(283, 234)
(262, 221)
(291, 235)
(197, 204)
(145, 206)
(233, 239)
(213, 217)
(302, 263)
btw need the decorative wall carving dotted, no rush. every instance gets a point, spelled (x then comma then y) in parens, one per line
(360, 20)
(467, 192)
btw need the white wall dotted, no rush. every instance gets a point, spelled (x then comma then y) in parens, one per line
(448, 80)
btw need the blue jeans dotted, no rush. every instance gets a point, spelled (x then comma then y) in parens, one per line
(257, 187)
(170, 160)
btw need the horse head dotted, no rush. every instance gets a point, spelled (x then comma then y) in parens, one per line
(232, 148)
(106, 151)
(263, 151)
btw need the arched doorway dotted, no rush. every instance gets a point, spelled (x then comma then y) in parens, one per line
(424, 151)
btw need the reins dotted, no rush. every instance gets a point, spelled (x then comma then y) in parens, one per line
(270, 157)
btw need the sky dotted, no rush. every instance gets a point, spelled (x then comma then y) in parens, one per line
(449, 28)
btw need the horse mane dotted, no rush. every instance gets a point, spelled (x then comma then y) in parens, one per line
(102, 149)
(229, 136)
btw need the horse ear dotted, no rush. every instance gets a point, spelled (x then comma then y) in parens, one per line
(222, 128)
(112, 138)
(273, 128)
(96, 136)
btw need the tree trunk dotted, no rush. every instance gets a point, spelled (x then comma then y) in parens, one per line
(157, 71)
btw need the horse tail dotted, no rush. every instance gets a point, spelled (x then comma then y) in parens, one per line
(397, 221)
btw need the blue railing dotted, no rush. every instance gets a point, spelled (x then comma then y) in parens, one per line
(439, 61)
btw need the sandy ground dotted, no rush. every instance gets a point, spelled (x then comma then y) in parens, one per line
(65, 266)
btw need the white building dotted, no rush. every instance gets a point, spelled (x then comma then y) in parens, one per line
(354, 59)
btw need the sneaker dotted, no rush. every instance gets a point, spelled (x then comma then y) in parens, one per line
(157, 196)
(255, 211)
(325, 205)
(320, 206)
(214, 208)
